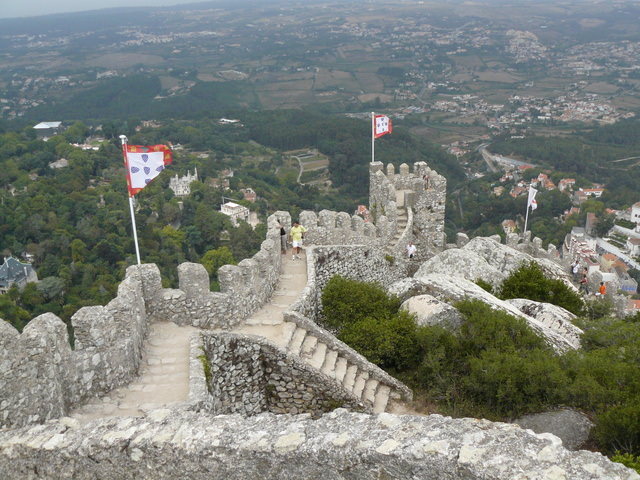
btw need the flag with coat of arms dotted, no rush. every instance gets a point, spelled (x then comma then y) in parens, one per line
(381, 125)
(143, 164)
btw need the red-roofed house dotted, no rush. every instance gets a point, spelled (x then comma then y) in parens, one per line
(633, 306)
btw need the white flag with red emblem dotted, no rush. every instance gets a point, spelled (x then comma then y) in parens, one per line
(531, 201)
(381, 125)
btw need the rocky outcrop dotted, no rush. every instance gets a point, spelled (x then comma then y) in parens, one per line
(556, 318)
(407, 288)
(451, 289)
(429, 311)
(179, 444)
(571, 426)
(486, 259)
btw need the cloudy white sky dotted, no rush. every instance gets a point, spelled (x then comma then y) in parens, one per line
(29, 8)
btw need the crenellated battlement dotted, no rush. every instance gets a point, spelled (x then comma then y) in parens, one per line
(44, 376)
(522, 243)
(421, 193)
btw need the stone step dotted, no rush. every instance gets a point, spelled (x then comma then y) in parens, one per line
(369, 391)
(317, 359)
(350, 377)
(382, 398)
(270, 314)
(296, 340)
(308, 346)
(287, 332)
(328, 367)
(341, 368)
(360, 381)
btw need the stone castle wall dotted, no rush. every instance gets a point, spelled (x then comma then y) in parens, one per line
(244, 288)
(251, 375)
(179, 444)
(41, 376)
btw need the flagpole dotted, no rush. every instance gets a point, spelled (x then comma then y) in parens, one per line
(373, 138)
(526, 219)
(123, 139)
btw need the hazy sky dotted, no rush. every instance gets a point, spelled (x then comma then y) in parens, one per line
(30, 8)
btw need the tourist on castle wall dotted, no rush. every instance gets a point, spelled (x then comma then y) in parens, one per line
(411, 250)
(297, 234)
(584, 284)
(283, 239)
(602, 291)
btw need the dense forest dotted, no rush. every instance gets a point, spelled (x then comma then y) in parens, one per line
(75, 220)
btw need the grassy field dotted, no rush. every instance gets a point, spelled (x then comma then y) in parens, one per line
(124, 60)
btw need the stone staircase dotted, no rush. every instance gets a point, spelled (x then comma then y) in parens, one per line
(163, 378)
(402, 219)
(313, 351)
(164, 375)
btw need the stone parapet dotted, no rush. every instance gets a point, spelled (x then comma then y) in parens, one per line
(167, 444)
(250, 375)
(44, 377)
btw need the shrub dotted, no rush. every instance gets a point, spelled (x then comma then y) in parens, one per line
(511, 383)
(347, 301)
(628, 460)
(618, 429)
(529, 281)
(485, 285)
(485, 328)
(390, 342)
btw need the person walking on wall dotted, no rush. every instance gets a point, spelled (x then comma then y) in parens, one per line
(297, 234)
(411, 250)
(283, 239)
(584, 284)
(575, 268)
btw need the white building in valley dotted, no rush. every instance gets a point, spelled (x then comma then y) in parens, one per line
(236, 212)
(181, 186)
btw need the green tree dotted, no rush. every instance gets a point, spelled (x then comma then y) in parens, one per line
(529, 281)
(214, 259)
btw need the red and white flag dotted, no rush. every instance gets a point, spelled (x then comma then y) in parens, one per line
(381, 125)
(531, 201)
(144, 164)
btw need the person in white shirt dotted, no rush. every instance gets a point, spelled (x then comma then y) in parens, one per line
(411, 250)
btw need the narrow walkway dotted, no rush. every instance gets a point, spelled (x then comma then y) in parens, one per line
(164, 371)
(267, 322)
(163, 379)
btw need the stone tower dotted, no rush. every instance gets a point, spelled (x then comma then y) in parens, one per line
(419, 195)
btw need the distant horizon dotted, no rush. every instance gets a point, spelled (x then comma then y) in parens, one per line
(37, 8)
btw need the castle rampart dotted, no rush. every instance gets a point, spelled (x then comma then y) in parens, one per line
(169, 444)
(42, 376)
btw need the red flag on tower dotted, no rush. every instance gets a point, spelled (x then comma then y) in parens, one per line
(381, 125)
(144, 164)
